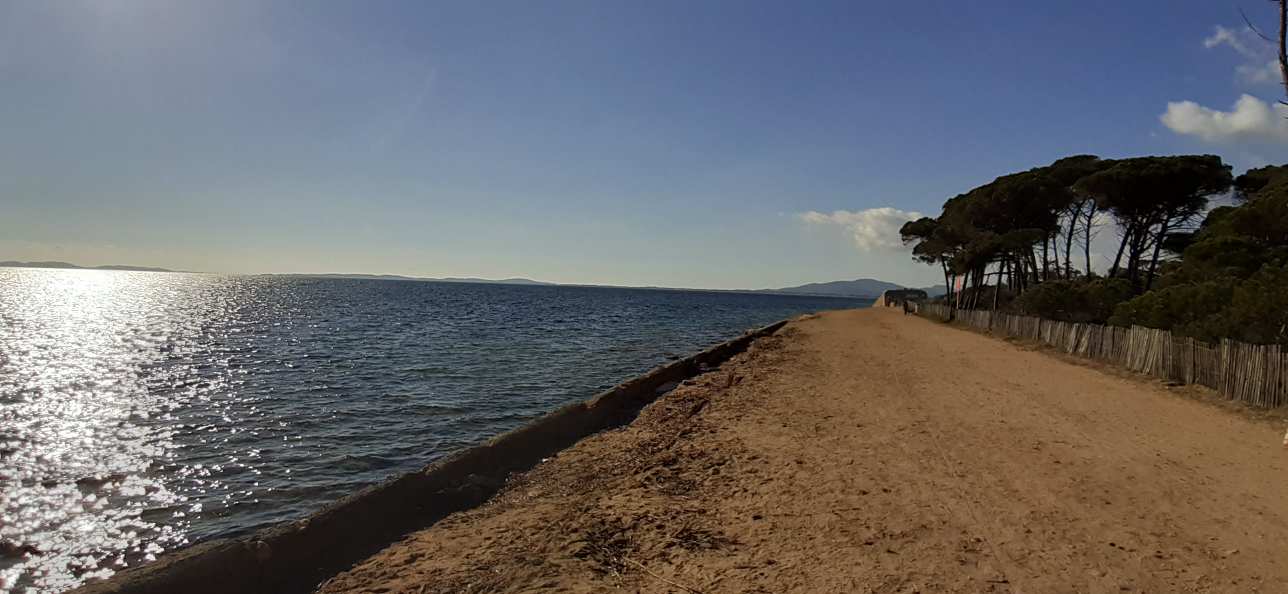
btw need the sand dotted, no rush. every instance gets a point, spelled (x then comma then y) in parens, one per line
(867, 451)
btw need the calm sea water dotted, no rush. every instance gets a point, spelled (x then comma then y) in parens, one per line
(140, 412)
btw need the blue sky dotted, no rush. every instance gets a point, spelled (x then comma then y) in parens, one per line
(702, 144)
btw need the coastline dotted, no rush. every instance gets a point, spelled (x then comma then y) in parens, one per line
(295, 556)
(868, 451)
(853, 450)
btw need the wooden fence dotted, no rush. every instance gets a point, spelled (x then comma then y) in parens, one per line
(1251, 373)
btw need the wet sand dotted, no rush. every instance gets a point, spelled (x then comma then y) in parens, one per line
(866, 451)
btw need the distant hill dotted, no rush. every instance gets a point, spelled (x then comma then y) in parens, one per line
(482, 281)
(68, 265)
(868, 288)
(352, 276)
(863, 287)
(503, 281)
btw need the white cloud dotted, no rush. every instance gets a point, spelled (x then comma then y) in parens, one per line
(1251, 119)
(1244, 41)
(1260, 66)
(873, 229)
(1259, 75)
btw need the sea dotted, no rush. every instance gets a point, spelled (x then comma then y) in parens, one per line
(145, 411)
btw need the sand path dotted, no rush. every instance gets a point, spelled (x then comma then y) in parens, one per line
(866, 451)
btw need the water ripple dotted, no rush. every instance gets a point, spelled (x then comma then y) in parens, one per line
(140, 412)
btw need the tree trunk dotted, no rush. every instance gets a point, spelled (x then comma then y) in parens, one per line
(1127, 236)
(1022, 274)
(1086, 230)
(1134, 252)
(1055, 255)
(1153, 263)
(948, 287)
(1283, 43)
(1068, 242)
(983, 282)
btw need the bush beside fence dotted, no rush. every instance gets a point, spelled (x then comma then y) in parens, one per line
(1251, 373)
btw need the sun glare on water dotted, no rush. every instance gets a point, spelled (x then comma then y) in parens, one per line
(80, 438)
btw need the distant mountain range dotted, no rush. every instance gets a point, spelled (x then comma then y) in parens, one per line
(68, 265)
(863, 288)
(450, 279)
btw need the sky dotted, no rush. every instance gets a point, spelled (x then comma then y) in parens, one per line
(677, 143)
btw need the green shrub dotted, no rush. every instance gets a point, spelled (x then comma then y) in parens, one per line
(1174, 306)
(1257, 311)
(1081, 300)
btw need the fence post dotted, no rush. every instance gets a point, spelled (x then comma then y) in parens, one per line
(1223, 379)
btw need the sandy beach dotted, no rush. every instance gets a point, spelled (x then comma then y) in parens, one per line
(867, 451)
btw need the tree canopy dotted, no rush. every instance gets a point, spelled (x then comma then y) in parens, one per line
(1180, 265)
(1232, 279)
(1015, 227)
(1149, 197)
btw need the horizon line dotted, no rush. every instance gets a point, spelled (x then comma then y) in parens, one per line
(513, 280)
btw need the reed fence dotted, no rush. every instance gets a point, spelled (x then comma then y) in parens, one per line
(1252, 373)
